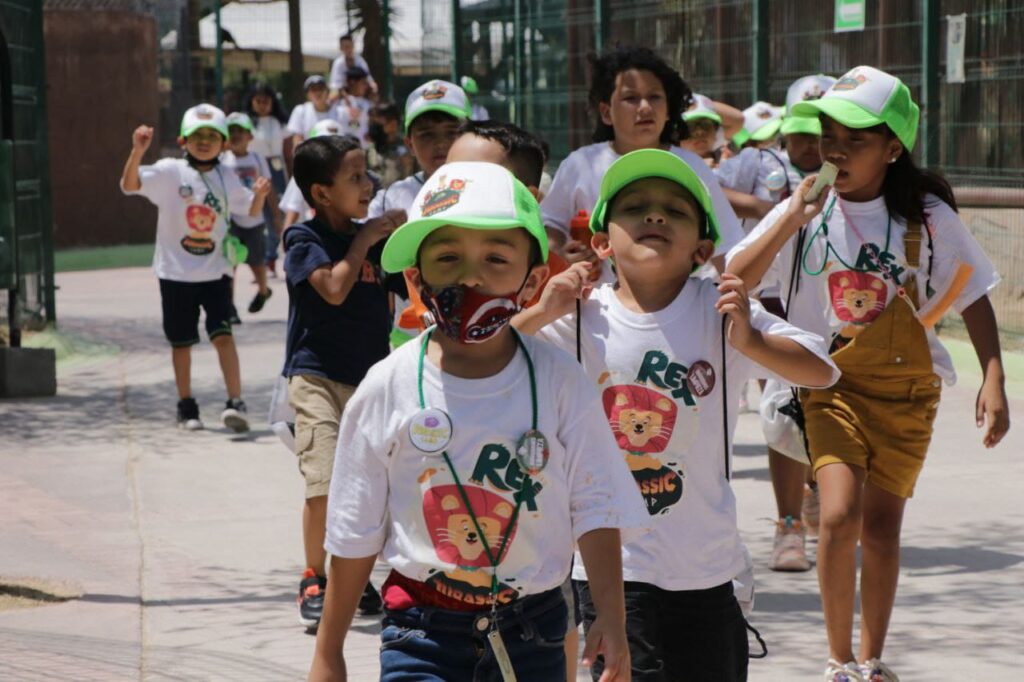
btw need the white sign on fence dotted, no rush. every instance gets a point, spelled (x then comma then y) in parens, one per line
(956, 36)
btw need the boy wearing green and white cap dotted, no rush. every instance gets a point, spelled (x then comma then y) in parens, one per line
(250, 166)
(668, 352)
(884, 255)
(473, 460)
(710, 124)
(194, 198)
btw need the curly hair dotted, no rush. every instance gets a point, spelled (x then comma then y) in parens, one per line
(607, 67)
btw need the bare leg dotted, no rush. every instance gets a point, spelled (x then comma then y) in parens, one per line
(314, 529)
(788, 476)
(572, 649)
(228, 356)
(841, 487)
(880, 554)
(181, 358)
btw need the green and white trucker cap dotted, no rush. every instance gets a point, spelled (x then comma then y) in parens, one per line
(804, 90)
(237, 118)
(651, 163)
(867, 97)
(702, 107)
(761, 122)
(327, 126)
(203, 116)
(470, 194)
(436, 95)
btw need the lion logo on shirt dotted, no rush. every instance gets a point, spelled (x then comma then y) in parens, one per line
(643, 421)
(458, 541)
(201, 220)
(857, 298)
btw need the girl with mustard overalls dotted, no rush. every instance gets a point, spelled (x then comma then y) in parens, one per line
(873, 264)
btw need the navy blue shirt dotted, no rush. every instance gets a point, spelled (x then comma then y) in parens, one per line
(337, 342)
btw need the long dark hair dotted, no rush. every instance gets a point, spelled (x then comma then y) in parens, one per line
(607, 67)
(261, 88)
(906, 186)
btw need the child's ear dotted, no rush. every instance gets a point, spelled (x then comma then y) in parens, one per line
(705, 249)
(319, 194)
(601, 245)
(535, 191)
(538, 275)
(895, 150)
(181, 141)
(604, 110)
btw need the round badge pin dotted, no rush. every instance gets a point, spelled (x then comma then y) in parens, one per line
(185, 190)
(532, 452)
(430, 430)
(776, 180)
(701, 378)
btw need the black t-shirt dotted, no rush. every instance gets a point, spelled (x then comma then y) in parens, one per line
(338, 342)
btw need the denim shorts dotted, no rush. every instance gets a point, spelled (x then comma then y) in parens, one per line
(438, 645)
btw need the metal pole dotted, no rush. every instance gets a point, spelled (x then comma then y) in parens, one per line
(930, 84)
(760, 66)
(517, 36)
(219, 58)
(389, 89)
(456, 40)
(601, 27)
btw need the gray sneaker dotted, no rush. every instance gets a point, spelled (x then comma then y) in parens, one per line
(234, 415)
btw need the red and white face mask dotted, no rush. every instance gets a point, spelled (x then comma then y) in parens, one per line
(466, 315)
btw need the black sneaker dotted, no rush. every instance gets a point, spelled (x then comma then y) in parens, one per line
(370, 603)
(234, 415)
(234, 319)
(188, 415)
(312, 589)
(257, 302)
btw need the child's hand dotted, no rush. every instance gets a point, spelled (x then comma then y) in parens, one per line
(609, 640)
(562, 290)
(991, 407)
(798, 211)
(261, 187)
(381, 227)
(735, 303)
(578, 252)
(141, 138)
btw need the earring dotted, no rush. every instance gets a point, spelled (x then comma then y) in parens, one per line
(892, 160)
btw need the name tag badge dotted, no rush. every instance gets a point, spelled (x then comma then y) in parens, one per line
(532, 452)
(701, 378)
(277, 163)
(430, 430)
(185, 191)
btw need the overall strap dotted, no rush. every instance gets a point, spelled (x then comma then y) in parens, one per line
(912, 249)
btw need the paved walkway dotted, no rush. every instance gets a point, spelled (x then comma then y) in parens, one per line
(186, 547)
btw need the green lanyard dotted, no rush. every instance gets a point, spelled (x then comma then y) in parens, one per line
(226, 213)
(493, 559)
(823, 229)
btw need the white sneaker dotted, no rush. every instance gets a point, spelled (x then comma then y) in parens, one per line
(843, 672)
(874, 670)
(234, 415)
(789, 552)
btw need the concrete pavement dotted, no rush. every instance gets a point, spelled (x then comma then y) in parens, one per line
(186, 551)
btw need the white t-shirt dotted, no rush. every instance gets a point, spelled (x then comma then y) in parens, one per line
(765, 173)
(292, 200)
(359, 124)
(387, 496)
(843, 298)
(577, 184)
(339, 69)
(305, 116)
(401, 194)
(247, 168)
(268, 137)
(660, 379)
(192, 212)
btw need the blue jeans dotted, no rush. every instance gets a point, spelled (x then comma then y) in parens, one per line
(437, 645)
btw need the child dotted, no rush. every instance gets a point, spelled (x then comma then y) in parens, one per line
(709, 125)
(640, 101)
(761, 123)
(471, 460)
(354, 108)
(874, 271)
(433, 113)
(387, 154)
(249, 166)
(763, 177)
(341, 65)
(194, 199)
(292, 203)
(656, 345)
(269, 120)
(338, 324)
(315, 109)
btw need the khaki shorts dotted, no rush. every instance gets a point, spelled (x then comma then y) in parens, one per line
(318, 404)
(882, 427)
